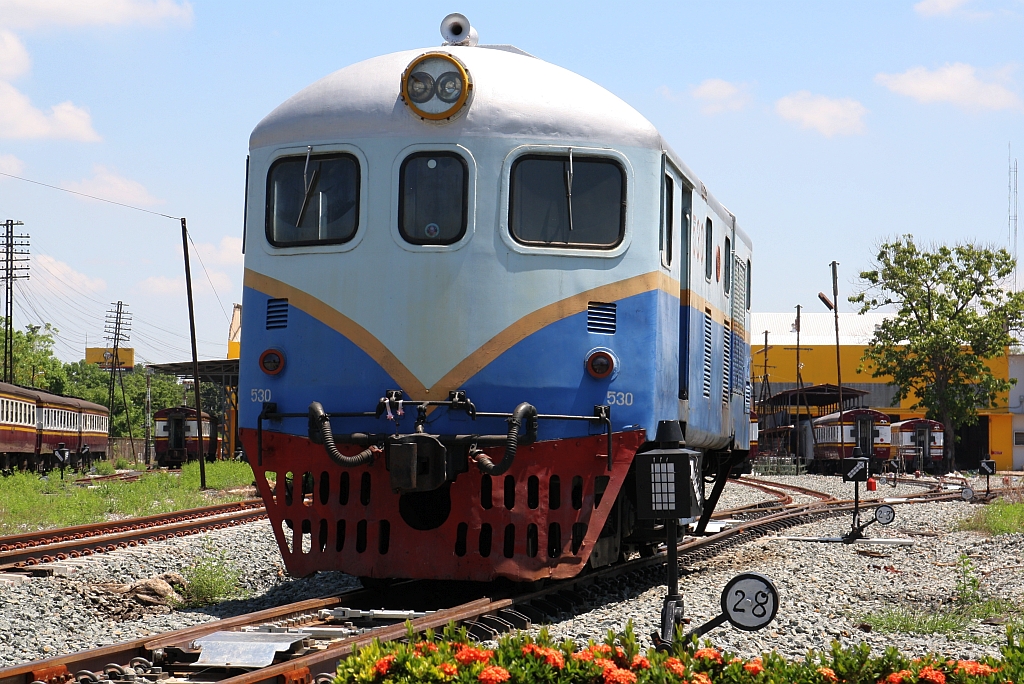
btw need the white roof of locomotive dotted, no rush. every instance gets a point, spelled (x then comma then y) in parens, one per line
(514, 95)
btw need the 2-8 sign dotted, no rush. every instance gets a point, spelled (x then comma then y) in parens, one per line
(750, 601)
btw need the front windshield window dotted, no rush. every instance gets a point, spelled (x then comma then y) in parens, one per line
(312, 199)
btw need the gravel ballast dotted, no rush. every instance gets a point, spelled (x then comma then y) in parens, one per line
(825, 588)
(48, 616)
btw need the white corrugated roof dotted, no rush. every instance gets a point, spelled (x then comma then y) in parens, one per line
(815, 328)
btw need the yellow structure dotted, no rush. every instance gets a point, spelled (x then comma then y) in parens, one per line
(993, 435)
(103, 357)
(235, 333)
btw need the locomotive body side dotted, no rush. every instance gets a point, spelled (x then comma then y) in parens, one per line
(497, 313)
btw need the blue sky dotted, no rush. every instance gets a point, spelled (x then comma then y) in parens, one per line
(824, 126)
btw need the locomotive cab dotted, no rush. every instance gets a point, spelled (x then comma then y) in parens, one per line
(468, 304)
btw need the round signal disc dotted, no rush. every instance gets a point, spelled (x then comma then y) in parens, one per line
(436, 86)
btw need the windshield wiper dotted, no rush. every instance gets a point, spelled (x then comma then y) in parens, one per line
(568, 188)
(309, 184)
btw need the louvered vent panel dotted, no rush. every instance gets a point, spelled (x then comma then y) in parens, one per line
(746, 397)
(726, 363)
(601, 318)
(707, 353)
(739, 296)
(277, 314)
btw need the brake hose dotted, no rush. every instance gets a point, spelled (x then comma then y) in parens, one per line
(523, 412)
(320, 427)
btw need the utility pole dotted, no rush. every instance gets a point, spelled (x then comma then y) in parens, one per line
(149, 416)
(116, 328)
(195, 356)
(15, 252)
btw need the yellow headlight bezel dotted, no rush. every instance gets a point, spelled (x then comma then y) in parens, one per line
(456, 106)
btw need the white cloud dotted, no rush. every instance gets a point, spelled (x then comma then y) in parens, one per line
(716, 95)
(32, 13)
(14, 59)
(106, 184)
(11, 164)
(163, 285)
(828, 116)
(62, 278)
(934, 8)
(227, 253)
(19, 119)
(954, 83)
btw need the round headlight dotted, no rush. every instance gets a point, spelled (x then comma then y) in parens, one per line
(449, 87)
(271, 362)
(600, 364)
(436, 86)
(420, 87)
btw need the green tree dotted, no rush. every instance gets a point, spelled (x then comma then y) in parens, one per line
(953, 314)
(34, 362)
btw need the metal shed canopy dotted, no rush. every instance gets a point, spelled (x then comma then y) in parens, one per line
(223, 372)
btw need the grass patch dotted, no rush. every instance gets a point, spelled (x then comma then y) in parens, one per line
(917, 621)
(29, 502)
(999, 517)
(211, 579)
(104, 468)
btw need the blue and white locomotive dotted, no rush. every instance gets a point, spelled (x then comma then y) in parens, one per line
(475, 283)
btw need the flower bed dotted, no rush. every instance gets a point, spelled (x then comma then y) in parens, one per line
(521, 659)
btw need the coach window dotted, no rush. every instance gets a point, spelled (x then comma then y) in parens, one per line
(709, 235)
(666, 221)
(727, 266)
(433, 204)
(567, 201)
(312, 200)
(748, 284)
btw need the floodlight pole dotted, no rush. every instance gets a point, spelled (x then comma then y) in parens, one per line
(839, 364)
(195, 356)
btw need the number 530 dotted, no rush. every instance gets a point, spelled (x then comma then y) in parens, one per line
(259, 395)
(619, 398)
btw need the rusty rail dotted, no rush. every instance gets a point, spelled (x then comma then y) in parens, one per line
(19, 551)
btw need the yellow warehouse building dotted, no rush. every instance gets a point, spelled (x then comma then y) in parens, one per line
(998, 433)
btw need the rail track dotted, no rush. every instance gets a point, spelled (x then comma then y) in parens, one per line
(21, 551)
(314, 635)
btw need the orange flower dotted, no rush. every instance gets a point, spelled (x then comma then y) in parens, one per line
(675, 666)
(551, 656)
(604, 649)
(422, 646)
(754, 667)
(931, 676)
(701, 678)
(709, 653)
(448, 669)
(604, 663)
(641, 663)
(828, 674)
(493, 675)
(975, 668)
(467, 654)
(616, 675)
(382, 666)
(585, 656)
